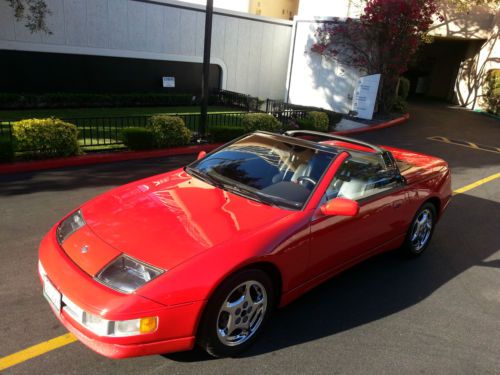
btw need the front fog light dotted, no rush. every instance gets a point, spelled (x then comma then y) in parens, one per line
(135, 326)
(119, 328)
(96, 324)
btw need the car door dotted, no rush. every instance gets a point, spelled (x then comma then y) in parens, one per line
(379, 190)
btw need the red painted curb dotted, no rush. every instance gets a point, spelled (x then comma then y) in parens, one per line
(387, 124)
(73, 161)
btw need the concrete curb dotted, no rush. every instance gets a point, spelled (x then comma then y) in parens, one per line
(73, 161)
(387, 124)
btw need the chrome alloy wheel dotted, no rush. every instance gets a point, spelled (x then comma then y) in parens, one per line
(242, 313)
(422, 229)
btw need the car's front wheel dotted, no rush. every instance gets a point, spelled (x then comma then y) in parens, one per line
(236, 313)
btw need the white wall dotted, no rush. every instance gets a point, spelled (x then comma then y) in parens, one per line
(252, 51)
(314, 80)
(474, 70)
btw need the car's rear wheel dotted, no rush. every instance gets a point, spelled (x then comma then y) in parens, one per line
(420, 231)
(236, 313)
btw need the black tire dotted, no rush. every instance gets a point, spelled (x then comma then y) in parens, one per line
(412, 247)
(213, 318)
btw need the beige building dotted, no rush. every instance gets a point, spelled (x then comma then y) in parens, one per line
(284, 9)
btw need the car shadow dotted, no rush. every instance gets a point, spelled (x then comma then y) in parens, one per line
(383, 285)
(100, 175)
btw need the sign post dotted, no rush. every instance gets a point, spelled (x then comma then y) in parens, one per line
(365, 96)
(206, 67)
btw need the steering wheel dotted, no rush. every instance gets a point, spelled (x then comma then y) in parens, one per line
(307, 179)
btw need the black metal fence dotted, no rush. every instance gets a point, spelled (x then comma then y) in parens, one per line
(97, 133)
(105, 132)
(277, 106)
(235, 99)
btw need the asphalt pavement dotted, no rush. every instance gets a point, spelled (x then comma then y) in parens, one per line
(439, 313)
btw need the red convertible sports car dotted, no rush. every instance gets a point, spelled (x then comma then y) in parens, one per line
(203, 254)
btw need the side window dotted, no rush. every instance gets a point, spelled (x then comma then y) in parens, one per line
(359, 177)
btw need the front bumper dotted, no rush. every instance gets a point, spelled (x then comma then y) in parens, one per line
(117, 350)
(176, 324)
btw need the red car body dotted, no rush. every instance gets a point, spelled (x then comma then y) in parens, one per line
(201, 234)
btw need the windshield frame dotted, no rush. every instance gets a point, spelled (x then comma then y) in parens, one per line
(278, 137)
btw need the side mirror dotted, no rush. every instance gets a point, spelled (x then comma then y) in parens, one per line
(201, 155)
(340, 207)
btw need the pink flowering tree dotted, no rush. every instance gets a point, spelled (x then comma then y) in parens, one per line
(383, 40)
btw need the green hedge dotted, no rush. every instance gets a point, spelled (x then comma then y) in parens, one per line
(400, 105)
(225, 134)
(333, 118)
(260, 121)
(315, 120)
(138, 138)
(169, 131)
(7, 149)
(48, 137)
(70, 100)
(404, 87)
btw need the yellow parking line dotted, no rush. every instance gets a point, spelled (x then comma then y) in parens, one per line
(36, 350)
(467, 144)
(476, 184)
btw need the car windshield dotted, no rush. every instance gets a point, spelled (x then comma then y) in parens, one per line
(266, 168)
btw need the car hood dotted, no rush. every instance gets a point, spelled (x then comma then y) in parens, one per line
(164, 220)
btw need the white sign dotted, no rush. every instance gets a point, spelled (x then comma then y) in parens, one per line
(365, 96)
(168, 81)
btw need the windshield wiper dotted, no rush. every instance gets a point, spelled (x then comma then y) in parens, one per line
(278, 201)
(268, 199)
(204, 176)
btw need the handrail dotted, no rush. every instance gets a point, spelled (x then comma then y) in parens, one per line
(292, 133)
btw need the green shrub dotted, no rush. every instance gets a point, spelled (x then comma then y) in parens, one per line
(403, 88)
(169, 131)
(315, 120)
(260, 121)
(491, 92)
(138, 138)
(333, 118)
(225, 134)
(7, 149)
(400, 105)
(48, 137)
